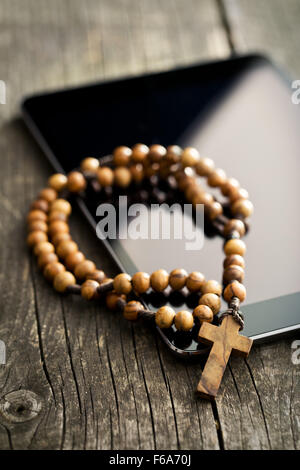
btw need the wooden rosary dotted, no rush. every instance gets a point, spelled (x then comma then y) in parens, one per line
(70, 272)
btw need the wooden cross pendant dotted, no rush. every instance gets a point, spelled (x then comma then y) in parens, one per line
(225, 340)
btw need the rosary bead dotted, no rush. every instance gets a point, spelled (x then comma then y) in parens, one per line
(52, 269)
(122, 283)
(242, 207)
(217, 178)
(36, 215)
(97, 275)
(89, 289)
(159, 280)
(58, 226)
(76, 182)
(61, 205)
(192, 191)
(211, 287)
(58, 182)
(184, 320)
(237, 260)
(230, 187)
(234, 289)
(203, 313)
(122, 176)
(84, 268)
(122, 155)
(137, 172)
(55, 215)
(203, 198)
(74, 258)
(90, 164)
(233, 273)
(48, 194)
(66, 248)
(164, 317)
(156, 153)
(38, 225)
(112, 299)
(205, 167)
(195, 281)
(40, 204)
(43, 247)
(132, 310)
(105, 176)
(214, 210)
(235, 247)
(173, 153)
(59, 237)
(213, 301)
(139, 153)
(240, 193)
(62, 280)
(141, 282)
(36, 237)
(46, 258)
(234, 225)
(189, 157)
(178, 279)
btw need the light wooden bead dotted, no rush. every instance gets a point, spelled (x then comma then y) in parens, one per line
(43, 247)
(74, 258)
(139, 153)
(203, 198)
(213, 301)
(55, 215)
(52, 269)
(234, 225)
(48, 194)
(84, 268)
(141, 282)
(112, 299)
(156, 153)
(235, 247)
(59, 237)
(151, 169)
(122, 283)
(235, 289)
(66, 248)
(217, 178)
(40, 204)
(164, 317)
(211, 287)
(203, 314)
(58, 182)
(230, 187)
(105, 176)
(184, 320)
(89, 289)
(234, 259)
(36, 215)
(122, 177)
(61, 205)
(132, 310)
(189, 157)
(159, 280)
(46, 258)
(38, 225)
(58, 226)
(192, 190)
(177, 279)
(242, 207)
(214, 210)
(195, 281)
(97, 275)
(90, 164)
(63, 280)
(240, 193)
(36, 237)
(76, 182)
(122, 155)
(137, 172)
(233, 273)
(205, 167)
(173, 153)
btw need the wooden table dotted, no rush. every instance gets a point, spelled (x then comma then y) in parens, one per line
(75, 377)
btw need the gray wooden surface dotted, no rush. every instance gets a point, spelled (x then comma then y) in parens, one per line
(78, 376)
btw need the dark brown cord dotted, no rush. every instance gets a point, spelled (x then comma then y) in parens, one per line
(233, 310)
